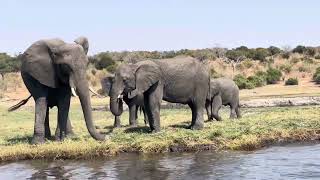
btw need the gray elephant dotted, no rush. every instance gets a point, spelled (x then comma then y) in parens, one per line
(52, 70)
(223, 91)
(134, 104)
(179, 80)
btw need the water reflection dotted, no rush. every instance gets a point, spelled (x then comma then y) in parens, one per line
(288, 162)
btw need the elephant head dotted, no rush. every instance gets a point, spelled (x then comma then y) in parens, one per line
(56, 64)
(132, 79)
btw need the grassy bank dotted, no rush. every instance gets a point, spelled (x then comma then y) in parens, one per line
(257, 128)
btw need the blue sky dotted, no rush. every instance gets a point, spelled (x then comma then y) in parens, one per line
(117, 25)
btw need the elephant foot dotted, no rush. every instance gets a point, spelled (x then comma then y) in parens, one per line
(195, 127)
(117, 126)
(133, 125)
(37, 140)
(154, 131)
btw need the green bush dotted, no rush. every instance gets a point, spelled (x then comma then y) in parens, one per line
(295, 60)
(256, 81)
(317, 78)
(242, 82)
(273, 75)
(302, 69)
(274, 50)
(291, 81)
(308, 60)
(103, 61)
(247, 63)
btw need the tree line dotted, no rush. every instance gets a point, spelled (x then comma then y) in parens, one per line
(108, 60)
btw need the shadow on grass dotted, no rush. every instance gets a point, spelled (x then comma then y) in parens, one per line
(18, 139)
(142, 129)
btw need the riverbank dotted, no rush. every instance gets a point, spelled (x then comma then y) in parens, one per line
(259, 127)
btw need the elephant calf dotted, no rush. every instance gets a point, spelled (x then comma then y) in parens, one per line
(134, 104)
(223, 91)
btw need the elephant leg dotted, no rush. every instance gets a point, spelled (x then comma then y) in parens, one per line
(197, 116)
(40, 115)
(146, 121)
(208, 109)
(152, 104)
(233, 113)
(63, 112)
(69, 130)
(238, 111)
(216, 105)
(133, 115)
(47, 131)
(116, 122)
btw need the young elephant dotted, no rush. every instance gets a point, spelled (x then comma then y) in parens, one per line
(134, 104)
(223, 91)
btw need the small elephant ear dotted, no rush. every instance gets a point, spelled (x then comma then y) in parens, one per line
(146, 75)
(83, 41)
(106, 84)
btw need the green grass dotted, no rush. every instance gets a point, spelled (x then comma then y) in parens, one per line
(258, 127)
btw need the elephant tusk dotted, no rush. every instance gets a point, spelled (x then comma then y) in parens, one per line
(95, 93)
(73, 91)
(120, 96)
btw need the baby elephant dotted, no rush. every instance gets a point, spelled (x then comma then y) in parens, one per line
(223, 91)
(134, 104)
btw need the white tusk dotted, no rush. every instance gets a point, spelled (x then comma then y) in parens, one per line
(95, 93)
(73, 91)
(120, 96)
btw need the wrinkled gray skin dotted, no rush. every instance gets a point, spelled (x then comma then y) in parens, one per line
(223, 91)
(178, 80)
(133, 104)
(49, 68)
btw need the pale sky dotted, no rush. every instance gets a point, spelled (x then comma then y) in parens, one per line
(116, 25)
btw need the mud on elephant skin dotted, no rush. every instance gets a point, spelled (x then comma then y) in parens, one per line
(135, 104)
(51, 69)
(182, 80)
(223, 91)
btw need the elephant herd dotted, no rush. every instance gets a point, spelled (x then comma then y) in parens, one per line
(53, 70)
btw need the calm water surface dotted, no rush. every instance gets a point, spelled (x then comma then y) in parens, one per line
(285, 162)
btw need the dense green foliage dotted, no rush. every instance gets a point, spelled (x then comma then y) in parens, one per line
(9, 63)
(273, 75)
(291, 81)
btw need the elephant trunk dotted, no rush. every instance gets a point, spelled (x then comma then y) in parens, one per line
(116, 106)
(84, 96)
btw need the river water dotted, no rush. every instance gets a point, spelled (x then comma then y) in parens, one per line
(279, 162)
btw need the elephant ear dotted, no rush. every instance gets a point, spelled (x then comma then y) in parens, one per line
(147, 74)
(83, 41)
(106, 84)
(38, 60)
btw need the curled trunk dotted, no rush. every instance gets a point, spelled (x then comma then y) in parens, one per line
(116, 106)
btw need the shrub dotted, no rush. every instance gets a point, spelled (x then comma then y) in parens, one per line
(299, 49)
(247, 63)
(104, 60)
(316, 75)
(286, 68)
(273, 75)
(274, 50)
(256, 81)
(308, 60)
(285, 55)
(242, 82)
(317, 57)
(317, 78)
(302, 69)
(295, 60)
(291, 81)
(260, 54)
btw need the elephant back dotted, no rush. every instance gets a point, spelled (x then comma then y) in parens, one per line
(37, 61)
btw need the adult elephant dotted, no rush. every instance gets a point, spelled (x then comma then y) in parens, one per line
(51, 69)
(179, 80)
(134, 104)
(223, 91)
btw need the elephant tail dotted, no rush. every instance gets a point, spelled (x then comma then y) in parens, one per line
(21, 103)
